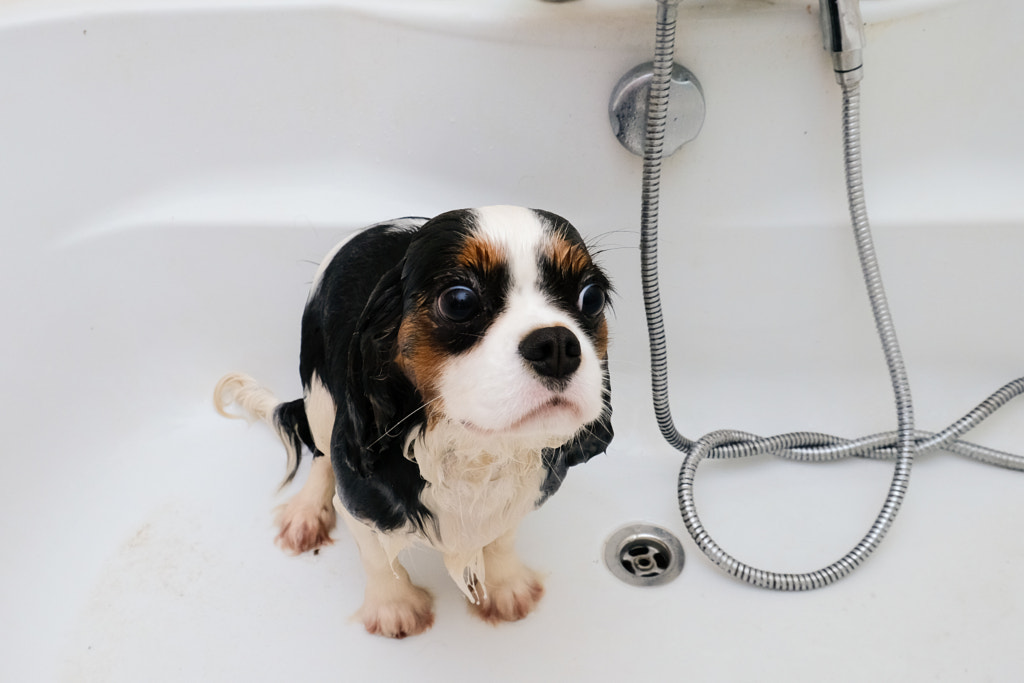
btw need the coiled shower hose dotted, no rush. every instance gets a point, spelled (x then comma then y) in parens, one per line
(902, 444)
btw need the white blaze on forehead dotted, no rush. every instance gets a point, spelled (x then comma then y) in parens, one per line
(519, 234)
(521, 237)
(510, 223)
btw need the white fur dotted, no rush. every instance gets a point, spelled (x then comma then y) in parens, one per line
(511, 589)
(320, 413)
(256, 402)
(479, 489)
(392, 605)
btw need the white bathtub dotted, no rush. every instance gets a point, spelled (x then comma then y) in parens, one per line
(171, 172)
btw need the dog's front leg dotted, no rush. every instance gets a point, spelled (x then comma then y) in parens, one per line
(393, 606)
(512, 589)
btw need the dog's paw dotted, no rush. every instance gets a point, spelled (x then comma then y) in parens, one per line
(398, 615)
(512, 598)
(304, 525)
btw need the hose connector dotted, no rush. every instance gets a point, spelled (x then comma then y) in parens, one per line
(843, 31)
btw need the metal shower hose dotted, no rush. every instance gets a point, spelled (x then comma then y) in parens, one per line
(902, 444)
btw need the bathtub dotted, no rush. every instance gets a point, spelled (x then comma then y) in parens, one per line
(171, 172)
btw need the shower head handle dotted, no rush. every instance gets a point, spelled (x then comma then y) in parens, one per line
(843, 32)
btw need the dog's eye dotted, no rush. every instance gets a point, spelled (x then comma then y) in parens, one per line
(458, 303)
(591, 301)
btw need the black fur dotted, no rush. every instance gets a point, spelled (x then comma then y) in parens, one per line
(592, 440)
(291, 420)
(348, 334)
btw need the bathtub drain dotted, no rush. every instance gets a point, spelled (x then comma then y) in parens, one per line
(644, 555)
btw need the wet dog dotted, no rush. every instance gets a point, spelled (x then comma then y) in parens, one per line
(453, 369)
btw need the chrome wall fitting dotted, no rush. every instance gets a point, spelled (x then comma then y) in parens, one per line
(627, 108)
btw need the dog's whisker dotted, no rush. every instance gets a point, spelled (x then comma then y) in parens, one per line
(389, 434)
(596, 239)
(624, 247)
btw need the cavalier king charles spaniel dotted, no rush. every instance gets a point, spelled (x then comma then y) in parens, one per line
(453, 369)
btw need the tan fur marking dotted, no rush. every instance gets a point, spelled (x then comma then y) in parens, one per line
(601, 339)
(568, 257)
(480, 255)
(421, 361)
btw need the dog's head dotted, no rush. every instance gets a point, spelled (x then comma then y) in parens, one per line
(496, 318)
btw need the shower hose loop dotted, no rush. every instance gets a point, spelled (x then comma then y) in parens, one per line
(901, 445)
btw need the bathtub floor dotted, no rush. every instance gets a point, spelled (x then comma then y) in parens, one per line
(156, 562)
(139, 536)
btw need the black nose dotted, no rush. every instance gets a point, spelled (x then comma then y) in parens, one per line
(551, 351)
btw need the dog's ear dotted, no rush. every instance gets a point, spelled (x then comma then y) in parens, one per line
(596, 436)
(379, 394)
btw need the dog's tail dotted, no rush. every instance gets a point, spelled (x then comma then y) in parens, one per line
(258, 403)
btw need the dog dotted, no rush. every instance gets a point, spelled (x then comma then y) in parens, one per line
(453, 369)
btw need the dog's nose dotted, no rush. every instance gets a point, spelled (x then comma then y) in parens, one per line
(551, 351)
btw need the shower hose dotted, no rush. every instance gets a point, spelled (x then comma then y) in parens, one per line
(902, 445)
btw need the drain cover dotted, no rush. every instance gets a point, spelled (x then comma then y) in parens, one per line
(644, 555)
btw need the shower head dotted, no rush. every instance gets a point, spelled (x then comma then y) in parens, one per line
(843, 32)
